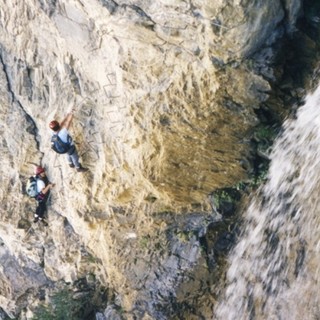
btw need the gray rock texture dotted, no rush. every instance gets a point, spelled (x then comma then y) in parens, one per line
(165, 101)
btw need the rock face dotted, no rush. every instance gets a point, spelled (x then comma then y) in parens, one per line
(165, 101)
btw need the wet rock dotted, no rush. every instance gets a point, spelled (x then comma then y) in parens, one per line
(294, 10)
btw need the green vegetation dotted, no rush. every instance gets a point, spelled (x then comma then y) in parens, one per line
(184, 236)
(263, 139)
(226, 197)
(221, 196)
(225, 200)
(91, 258)
(145, 241)
(63, 306)
(265, 132)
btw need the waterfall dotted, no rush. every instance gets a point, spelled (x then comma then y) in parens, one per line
(274, 268)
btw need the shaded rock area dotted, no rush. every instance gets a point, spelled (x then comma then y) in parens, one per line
(177, 104)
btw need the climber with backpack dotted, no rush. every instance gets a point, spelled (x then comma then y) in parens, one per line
(62, 143)
(38, 187)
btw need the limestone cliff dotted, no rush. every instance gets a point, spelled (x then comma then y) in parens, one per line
(166, 102)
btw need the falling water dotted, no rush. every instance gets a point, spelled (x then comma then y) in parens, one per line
(274, 269)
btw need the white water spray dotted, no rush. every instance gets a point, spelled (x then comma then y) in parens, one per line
(274, 269)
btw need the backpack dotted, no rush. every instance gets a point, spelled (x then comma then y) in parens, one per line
(31, 187)
(32, 190)
(58, 145)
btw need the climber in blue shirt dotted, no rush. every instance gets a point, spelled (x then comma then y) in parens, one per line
(62, 142)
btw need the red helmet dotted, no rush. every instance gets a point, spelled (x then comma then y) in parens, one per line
(54, 125)
(39, 170)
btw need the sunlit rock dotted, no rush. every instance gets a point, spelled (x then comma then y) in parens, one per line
(165, 104)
